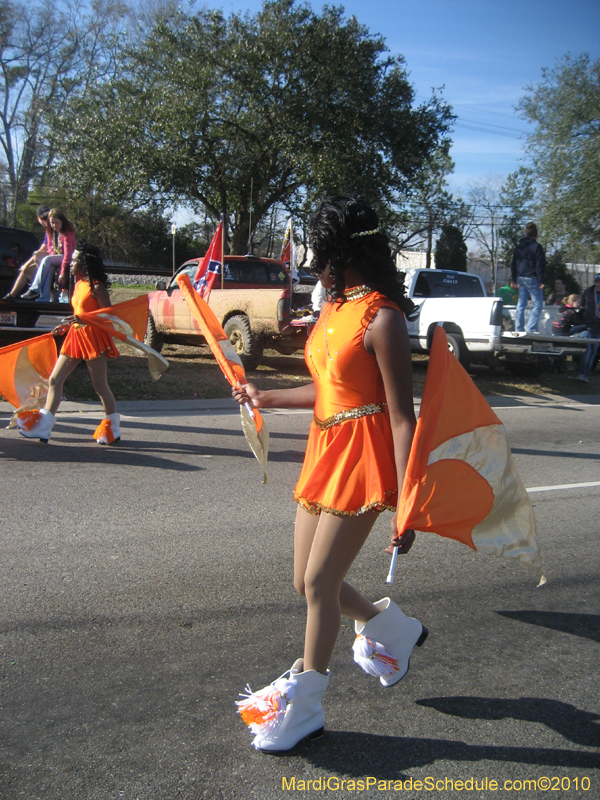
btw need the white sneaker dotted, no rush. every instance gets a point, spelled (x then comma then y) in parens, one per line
(583, 378)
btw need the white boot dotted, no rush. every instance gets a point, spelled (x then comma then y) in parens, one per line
(38, 430)
(109, 430)
(384, 644)
(287, 711)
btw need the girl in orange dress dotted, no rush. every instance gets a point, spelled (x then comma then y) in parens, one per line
(359, 442)
(83, 342)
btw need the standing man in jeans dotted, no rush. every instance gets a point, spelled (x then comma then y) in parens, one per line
(528, 269)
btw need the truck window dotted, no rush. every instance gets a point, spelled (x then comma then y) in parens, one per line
(444, 284)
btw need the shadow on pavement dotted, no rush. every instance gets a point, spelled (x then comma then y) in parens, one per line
(585, 625)
(579, 727)
(389, 757)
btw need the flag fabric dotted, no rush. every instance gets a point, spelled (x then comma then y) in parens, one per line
(211, 265)
(24, 371)
(461, 481)
(127, 322)
(254, 428)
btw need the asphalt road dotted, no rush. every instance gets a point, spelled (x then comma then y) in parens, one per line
(143, 585)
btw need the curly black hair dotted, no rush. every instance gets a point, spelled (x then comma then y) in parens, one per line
(91, 260)
(331, 241)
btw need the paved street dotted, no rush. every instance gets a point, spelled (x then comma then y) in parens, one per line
(143, 585)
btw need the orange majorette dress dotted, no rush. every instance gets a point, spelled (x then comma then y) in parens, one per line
(349, 466)
(86, 341)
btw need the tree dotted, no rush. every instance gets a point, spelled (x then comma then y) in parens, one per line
(517, 197)
(451, 249)
(298, 103)
(48, 51)
(565, 148)
(486, 219)
(432, 199)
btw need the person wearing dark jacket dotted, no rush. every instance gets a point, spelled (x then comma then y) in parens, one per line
(528, 270)
(590, 304)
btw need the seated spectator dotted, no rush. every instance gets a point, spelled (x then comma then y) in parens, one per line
(61, 251)
(569, 320)
(559, 293)
(509, 295)
(590, 304)
(28, 270)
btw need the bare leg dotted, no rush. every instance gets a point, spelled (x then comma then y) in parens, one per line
(26, 273)
(62, 369)
(335, 544)
(97, 370)
(353, 604)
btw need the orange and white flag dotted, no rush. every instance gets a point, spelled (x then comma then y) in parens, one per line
(252, 422)
(461, 481)
(127, 322)
(24, 371)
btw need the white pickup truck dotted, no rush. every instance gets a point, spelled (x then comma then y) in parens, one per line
(478, 327)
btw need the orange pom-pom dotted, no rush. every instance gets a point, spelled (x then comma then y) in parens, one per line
(27, 419)
(104, 433)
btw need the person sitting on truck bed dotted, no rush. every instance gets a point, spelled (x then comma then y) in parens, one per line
(61, 251)
(29, 268)
(590, 303)
(569, 319)
(558, 295)
(528, 270)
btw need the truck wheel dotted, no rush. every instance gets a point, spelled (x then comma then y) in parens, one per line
(457, 346)
(245, 343)
(153, 338)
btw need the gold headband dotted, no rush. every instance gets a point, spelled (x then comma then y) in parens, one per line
(364, 233)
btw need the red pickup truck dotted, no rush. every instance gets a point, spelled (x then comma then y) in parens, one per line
(253, 307)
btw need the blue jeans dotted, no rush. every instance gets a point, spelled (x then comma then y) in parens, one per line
(44, 277)
(587, 359)
(529, 286)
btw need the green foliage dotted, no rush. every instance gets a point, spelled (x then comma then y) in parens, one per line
(299, 102)
(565, 148)
(451, 249)
(517, 195)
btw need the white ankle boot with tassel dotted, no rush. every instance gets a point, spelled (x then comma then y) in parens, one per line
(287, 711)
(109, 430)
(36, 424)
(384, 644)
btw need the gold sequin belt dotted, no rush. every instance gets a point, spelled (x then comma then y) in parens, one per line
(351, 413)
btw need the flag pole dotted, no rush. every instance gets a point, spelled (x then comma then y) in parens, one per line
(222, 253)
(291, 227)
(390, 575)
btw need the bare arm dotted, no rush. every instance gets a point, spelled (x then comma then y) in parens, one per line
(101, 295)
(300, 397)
(387, 339)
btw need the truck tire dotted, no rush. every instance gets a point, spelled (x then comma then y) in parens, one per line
(153, 338)
(457, 346)
(245, 343)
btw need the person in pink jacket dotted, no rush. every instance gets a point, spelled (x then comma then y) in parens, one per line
(61, 245)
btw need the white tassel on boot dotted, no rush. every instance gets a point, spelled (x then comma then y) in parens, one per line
(384, 644)
(36, 424)
(109, 430)
(287, 711)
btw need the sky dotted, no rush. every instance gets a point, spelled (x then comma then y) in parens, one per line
(483, 53)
